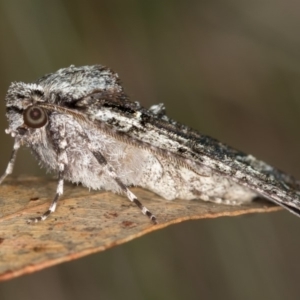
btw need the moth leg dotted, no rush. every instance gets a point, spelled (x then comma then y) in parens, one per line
(52, 207)
(62, 163)
(11, 163)
(132, 197)
(109, 171)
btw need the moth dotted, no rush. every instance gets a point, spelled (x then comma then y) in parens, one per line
(79, 123)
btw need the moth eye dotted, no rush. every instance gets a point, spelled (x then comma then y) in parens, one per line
(35, 117)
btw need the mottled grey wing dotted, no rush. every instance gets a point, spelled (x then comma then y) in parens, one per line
(166, 137)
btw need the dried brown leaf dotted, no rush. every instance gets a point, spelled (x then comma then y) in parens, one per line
(84, 223)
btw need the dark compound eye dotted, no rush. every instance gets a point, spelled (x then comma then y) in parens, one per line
(35, 117)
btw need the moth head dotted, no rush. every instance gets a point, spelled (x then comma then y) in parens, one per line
(22, 105)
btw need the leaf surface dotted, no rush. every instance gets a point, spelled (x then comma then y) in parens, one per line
(85, 221)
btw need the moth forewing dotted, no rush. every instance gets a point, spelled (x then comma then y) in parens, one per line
(203, 155)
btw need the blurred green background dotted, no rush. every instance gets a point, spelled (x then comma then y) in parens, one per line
(229, 68)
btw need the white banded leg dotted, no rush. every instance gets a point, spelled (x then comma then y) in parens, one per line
(52, 207)
(132, 197)
(11, 163)
(109, 170)
(62, 162)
